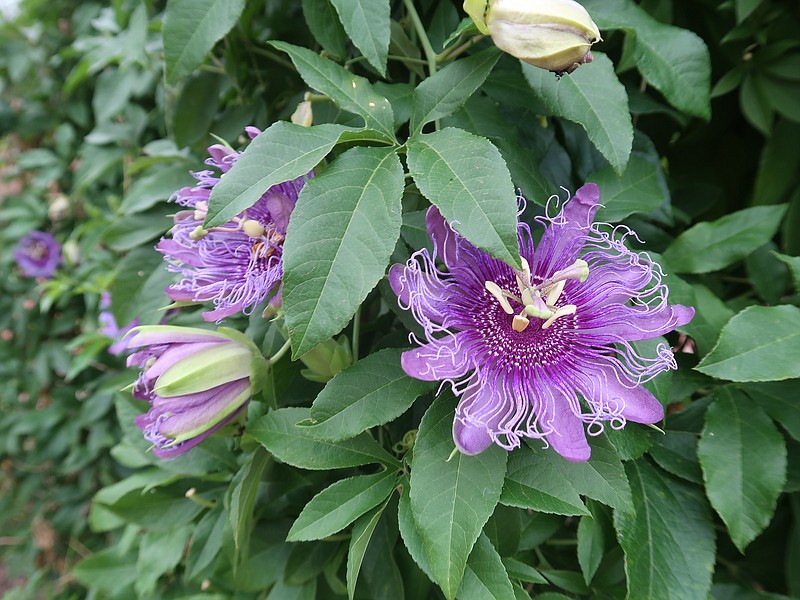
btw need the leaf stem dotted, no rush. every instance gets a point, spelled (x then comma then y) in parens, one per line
(448, 55)
(430, 55)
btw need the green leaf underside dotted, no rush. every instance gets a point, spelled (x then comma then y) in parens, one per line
(338, 505)
(465, 176)
(367, 24)
(341, 235)
(668, 539)
(759, 344)
(191, 28)
(445, 92)
(373, 391)
(595, 99)
(348, 91)
(743, 456)
(708, 247)
(278, 433)
(284, 151)
(451, 500)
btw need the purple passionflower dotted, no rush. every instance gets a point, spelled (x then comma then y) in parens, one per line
(109, 327)
(544, 351)
(38, 254)
(235, 266)
(195, 380)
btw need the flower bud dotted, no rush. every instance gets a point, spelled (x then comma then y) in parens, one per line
(556, 35)
(195, 380)
(327, 359)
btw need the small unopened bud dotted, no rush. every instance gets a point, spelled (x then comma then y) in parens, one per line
(198, 233)
(59, 208)
(253, 228)
(556, 35)
(303, 114)
(327, 359)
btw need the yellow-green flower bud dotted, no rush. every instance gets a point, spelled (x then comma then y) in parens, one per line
(327, 359)
(556, 35)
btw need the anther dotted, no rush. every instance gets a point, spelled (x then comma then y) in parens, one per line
(519, 323)
(499, 294)
(198, 233)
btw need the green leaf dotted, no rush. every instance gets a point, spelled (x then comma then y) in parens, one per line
(282, 152)
(191, 28)
(676, 452)
(159, 553)
(445, 92)
(373, 391)
(243, 492)
(106, 570)
(668, 539)
(467, 179)
(137, 290)
(596, 100)
(793, 262)
(781, 401)
(451, 499)
(534, 481)
(286, 591)
(277, 432)
(641, 189)
(743, 456)
(157, 186)
(591, 543)
(349, 92)
(673, 60)
(485, 577)
(759, 344)
(324, 24)
(338, 505)
(367, 23)
(602, 477)
(409, 531)
(333, 258)
(711, 315)
(359, 541)
(517, 569)
(712, 246)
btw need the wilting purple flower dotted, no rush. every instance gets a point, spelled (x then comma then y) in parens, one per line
(38, 254)
(235, 266)
(109, 327)
(541, 352)
(195, 380)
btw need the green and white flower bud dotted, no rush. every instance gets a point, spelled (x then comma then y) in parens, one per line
(556, 35)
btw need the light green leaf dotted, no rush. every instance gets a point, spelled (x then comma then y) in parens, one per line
(409, 531)
(533, 480)
(451, 499)
(359, 541)
(373, 391)
(743, 456)
(367, 23)
(338, 505)
(485, 577)
(641, 189)
(191, 28)
(602, 477)
(759, 344)
(668, 539)
(277, 432)
(594, 98)
(349, 92)
(710, 246)
(445, 92)
(154, 187)
(333, 258)
(282, 152)
(467, 179)
(673, 60)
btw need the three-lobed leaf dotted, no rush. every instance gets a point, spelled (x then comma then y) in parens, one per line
(340, 237)
(465, 176)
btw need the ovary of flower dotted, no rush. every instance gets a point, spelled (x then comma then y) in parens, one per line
(531, 296)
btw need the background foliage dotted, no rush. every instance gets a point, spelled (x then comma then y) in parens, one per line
(688, 120)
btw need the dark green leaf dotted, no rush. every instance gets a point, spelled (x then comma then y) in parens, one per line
(359, 541)
(159, 553)
(367, 22)
(676, 452)
(333, 258)
(106, 570)
(641, 189)
(157, 186)
(485, 577)
(324, 23)
(781, 401)
(243, 492)
(591, 543)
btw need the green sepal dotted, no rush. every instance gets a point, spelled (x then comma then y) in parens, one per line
(205, 369)
(259, 366)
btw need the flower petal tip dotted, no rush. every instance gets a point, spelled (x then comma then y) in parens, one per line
(470, 439)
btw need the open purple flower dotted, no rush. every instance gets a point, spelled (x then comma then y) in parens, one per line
(545, 351)
(235, 266)
(195, 380)
(38, 254)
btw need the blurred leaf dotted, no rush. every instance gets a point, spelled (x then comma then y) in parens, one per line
(668, 538)
(758, 344)
(241, 501)
(106, 570)
(743, 456)
(596, 100)
(156, 186)
(367, 24)
(485, 577)
(373, 391)
(195, 108)
(451, 499)
(338, 505)
(327, 277)
(191, 28)
(285, 591)
(137, 289)
(591, 543)
(159, 553)
(467, 179)
(793, 262)
(710, 246)
(756, 105)
(447, 90)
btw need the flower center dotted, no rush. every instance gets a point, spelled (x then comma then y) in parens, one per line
(538, 300)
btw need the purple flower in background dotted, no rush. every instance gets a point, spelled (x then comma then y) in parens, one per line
(38, 254)
(109, 327)
(235, 266)
(195, 380)
(544, 351)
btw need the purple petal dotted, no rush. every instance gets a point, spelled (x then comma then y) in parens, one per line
(442, 359)
(422, 288)
(636, 323)
(568, 437)
(189, 418)
(280, 208)
(470, 438)
(444, 238)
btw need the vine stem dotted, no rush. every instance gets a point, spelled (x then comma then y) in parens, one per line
(430, 55)
(279, 354)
